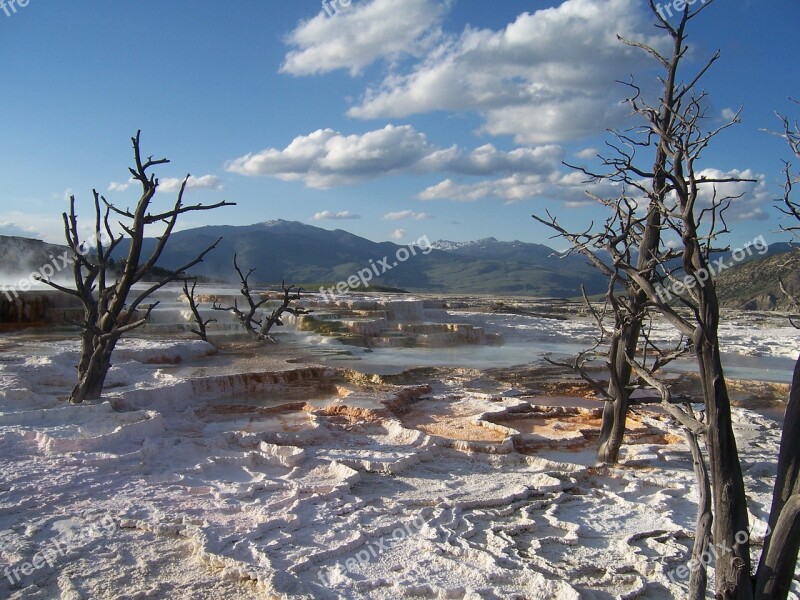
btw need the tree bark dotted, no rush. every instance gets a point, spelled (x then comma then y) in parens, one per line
(698, 581)
(92, 377)
(732, 570)
(615, 411)
(776, 571)
(779, 556)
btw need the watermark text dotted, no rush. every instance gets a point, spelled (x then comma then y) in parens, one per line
(678, 6)
(373, 550)
(59, 546)
(363, 277)
(10, 7)
(678, 286)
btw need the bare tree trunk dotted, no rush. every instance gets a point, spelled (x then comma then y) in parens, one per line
(698, 581)
(732, 568)
(778, 566)
(782, 538)
(275, 318)
(615, 411)
(202, 324)
(779, 557)
(93, 377)
(248, 319)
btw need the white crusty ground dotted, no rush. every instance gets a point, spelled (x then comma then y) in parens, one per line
(206, 507)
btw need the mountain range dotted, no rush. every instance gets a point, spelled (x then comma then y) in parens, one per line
(304, 254)
(312, 256)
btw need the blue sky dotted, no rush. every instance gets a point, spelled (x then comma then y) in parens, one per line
(392, 119)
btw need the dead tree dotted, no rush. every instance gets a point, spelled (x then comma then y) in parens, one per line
(685, 295)
(779, 556)
(248, 317)
(274, 319)
(627, 237)
(109, 313)
(260, 327)
(698, 227)
(201, 323)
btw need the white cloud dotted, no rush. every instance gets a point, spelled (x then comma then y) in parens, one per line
(514, 188)
(569, 187)
(487, 160)
(587, 153)
(206, 182)
(362, 33)
(398, 234)
(115, 186)
(328, 215)
(48, 228)
(406, 214)
(728, 114)
(748, 198)
(545, 78)
(326, 158)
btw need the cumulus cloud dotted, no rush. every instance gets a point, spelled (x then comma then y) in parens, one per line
(514, 188)
(326, 158)
(360, 34)
(329, 215)
(545, 78)
(398, 234)
(116, 186)
(49, 228)
(206, 182)
(570, 187)
(748, 198)
(587, 153)
(406, 214)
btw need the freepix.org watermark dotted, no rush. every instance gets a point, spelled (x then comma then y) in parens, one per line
(332, 7)
(715, 267)
(10, 7)
(666, 11)
(373, 550)
(377, 268)
(56, 265)
(715, 550)
(60, 546)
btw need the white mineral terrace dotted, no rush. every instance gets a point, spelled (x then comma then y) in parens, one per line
(431, 455)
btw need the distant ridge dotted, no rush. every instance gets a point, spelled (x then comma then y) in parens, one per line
(21, 256)
(755, 285)
(491, 248)
(305, 254)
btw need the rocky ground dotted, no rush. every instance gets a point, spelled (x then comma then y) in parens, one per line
(235, 475)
